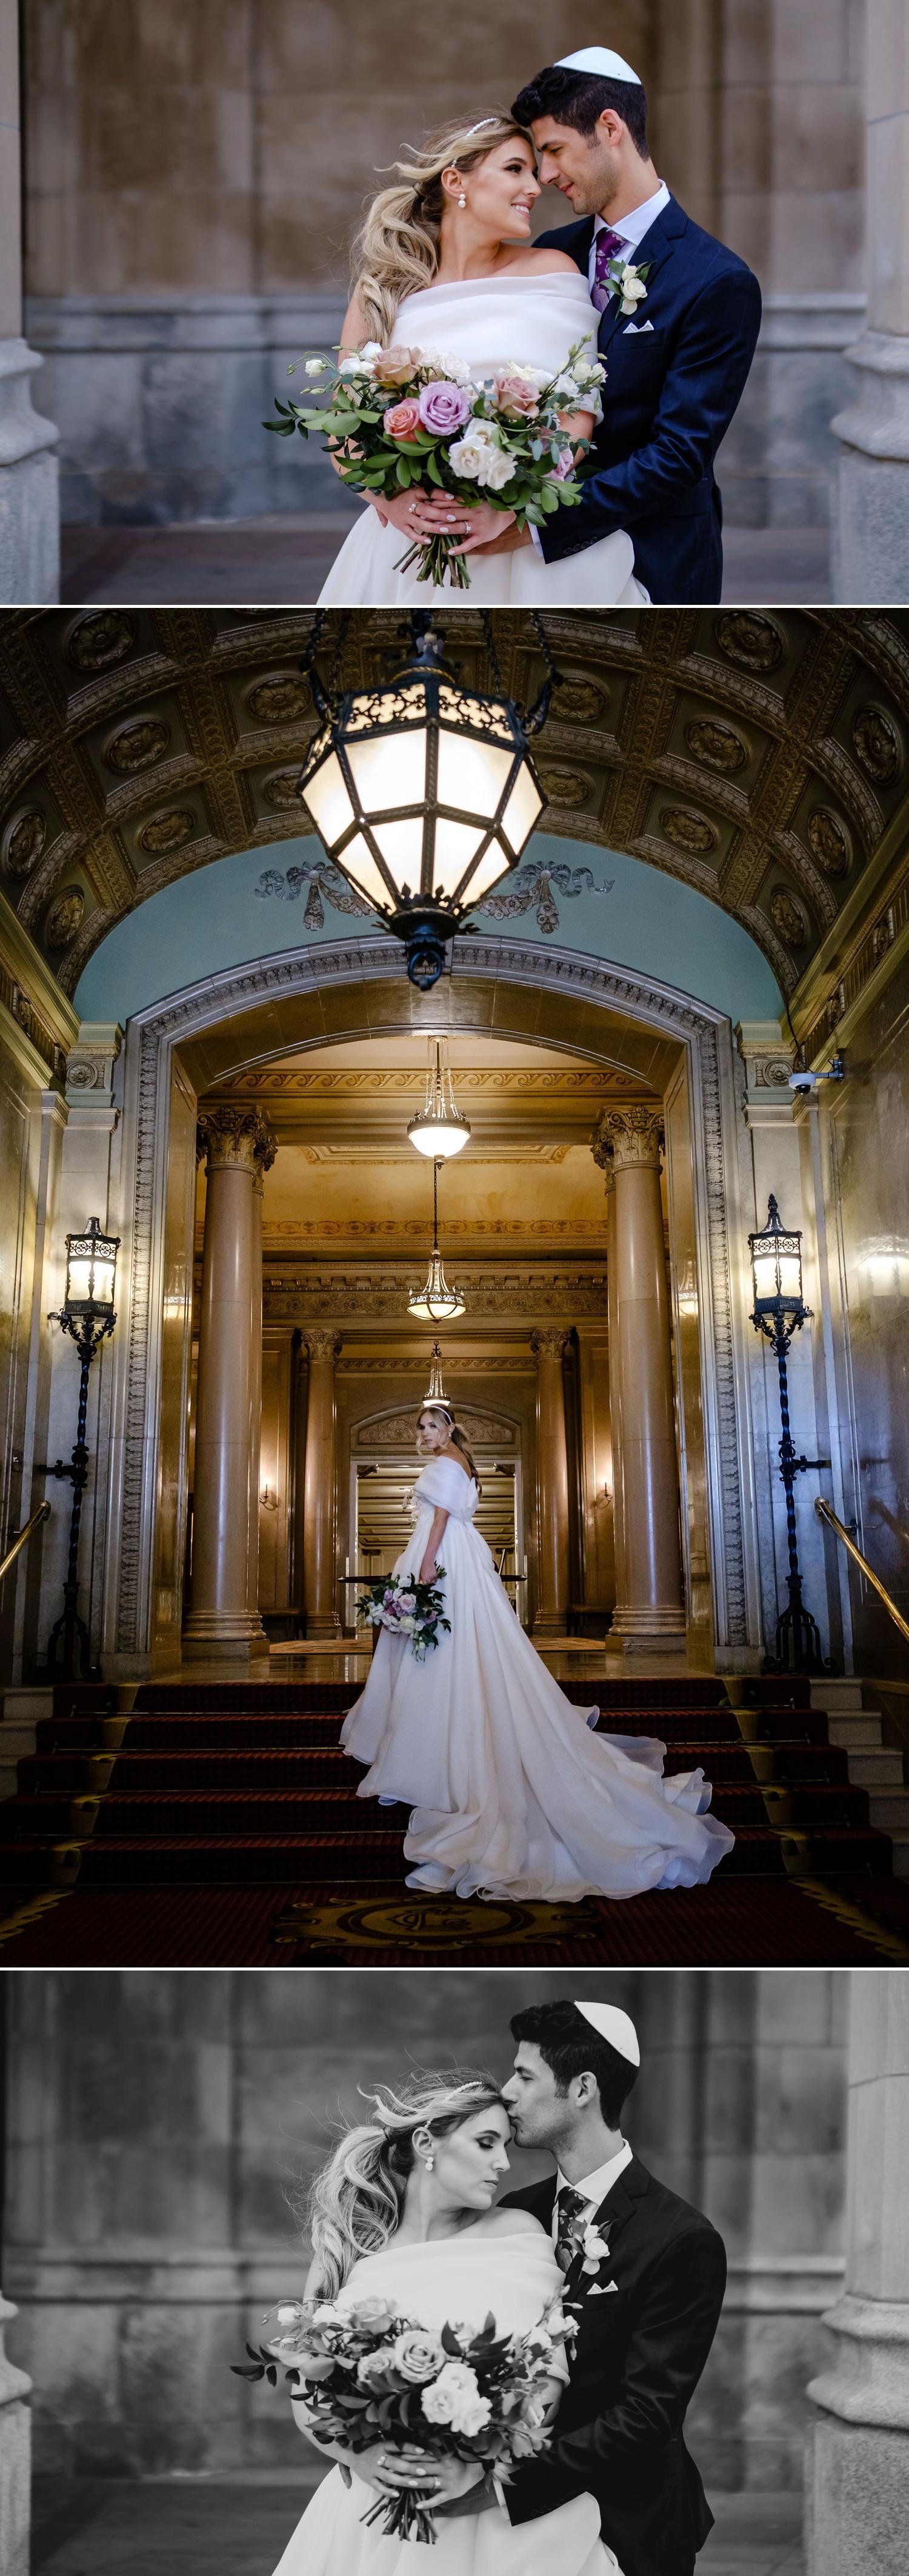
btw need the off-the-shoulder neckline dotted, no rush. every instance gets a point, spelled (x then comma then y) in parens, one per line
(519, 277)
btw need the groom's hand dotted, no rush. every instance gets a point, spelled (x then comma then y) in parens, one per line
(507, 543)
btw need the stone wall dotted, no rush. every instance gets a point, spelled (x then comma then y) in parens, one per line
(195, 178)
(155, 2124)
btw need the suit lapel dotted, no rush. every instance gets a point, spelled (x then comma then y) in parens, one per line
(611, 2217)
(656, 247)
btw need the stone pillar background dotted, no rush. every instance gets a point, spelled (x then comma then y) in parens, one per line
(602, 1154)
(319, 1488)
(15, 2458)
(650, 1606)
(871, 515)
(29, 504)
(220, 1621)
(858, 2448)
(264, 1158)
(597, 1468)
(552, 1485)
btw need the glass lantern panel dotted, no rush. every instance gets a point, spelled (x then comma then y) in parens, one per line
(524, 806)
(790, 1277)
(364, 873)
(79, 1280)
(493, 865)
(389, 770)
(401, 845)
(456, 845)
(472, 775)
(764, 1273)
(486, 715)
(329, 804)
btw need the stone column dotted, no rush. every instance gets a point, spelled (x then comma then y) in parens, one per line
(264, 1158)
(597, 1470)
(649, 1607)
(320, 1478)
(552, 1485)
(29, 501)
(602, 1153)
(871, 505)
(858, 2457)
(220, 1621)
(15, 2457)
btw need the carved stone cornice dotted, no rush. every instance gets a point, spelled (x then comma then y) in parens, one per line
(634, 1137)
(235, 1140)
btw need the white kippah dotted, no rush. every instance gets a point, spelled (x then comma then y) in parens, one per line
(614, 2026)
(600, 59)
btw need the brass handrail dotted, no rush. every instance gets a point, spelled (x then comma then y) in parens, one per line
(825, 1513)
(42, 1514)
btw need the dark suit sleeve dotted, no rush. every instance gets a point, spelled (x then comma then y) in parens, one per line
(703, 387)
(671, 2339)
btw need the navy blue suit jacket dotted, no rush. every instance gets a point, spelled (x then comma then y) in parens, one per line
(669, 396)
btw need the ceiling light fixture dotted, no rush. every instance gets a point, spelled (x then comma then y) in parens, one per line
(435, 1302)
(439, 1128)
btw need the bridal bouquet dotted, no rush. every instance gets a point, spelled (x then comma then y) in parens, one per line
(408, 1609)
(367, 2375)
(395, 417)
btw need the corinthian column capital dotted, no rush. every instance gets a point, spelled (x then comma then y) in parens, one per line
(549, 1343)
(629, 1137)
(235, 1139)
(323, 1343)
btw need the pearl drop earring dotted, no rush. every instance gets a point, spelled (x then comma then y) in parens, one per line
(462, 201)
(430, 2161)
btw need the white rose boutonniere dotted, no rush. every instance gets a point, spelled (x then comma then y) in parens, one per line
(596, 2250)
(627, 282)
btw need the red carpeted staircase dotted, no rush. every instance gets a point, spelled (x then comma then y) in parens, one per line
(246, 1783)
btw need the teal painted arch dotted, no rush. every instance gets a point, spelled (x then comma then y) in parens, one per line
(260, 903)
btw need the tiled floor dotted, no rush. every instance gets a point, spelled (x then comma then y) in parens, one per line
(282, 563)
(196, 2527)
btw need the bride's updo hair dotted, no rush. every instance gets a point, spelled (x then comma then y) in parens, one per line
(356, 2201)
(396, 251)
(456, 1433)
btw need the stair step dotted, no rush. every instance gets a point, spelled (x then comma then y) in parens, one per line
(889, 1809)
(855, 1730)
(876, 1766)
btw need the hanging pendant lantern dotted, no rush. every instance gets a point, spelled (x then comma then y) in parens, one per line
(435, 1302)
(435, 1392)
(423, 793)
(439, 1128)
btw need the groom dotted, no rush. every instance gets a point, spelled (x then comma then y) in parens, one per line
(645, 2276)
(677, 350)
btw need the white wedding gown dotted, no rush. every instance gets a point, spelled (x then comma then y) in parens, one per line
(512, 1795)
(457, 2281)
(486, 321)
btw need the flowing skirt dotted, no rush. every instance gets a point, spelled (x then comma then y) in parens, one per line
(512, 1794)
(363, 575)
(332, 2540)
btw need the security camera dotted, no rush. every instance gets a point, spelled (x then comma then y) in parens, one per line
(803, 1081)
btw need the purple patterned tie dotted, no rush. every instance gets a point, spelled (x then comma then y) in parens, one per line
(607, 246)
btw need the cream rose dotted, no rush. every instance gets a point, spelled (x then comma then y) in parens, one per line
(480, 459)
(455, 2399)
(394, 366)
(417, 2355)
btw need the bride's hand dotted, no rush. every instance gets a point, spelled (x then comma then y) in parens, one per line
(412, 512)
(468, 524)
(428, 1568)
(438, 2481)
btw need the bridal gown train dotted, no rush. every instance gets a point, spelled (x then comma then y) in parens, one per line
(512, 1795)
(433, 2284)
(485, 322)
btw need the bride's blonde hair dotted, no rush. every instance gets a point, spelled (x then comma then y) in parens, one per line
(456, 1433)
(356, 2201)
(396, 251)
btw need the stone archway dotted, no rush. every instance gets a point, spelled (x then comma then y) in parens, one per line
(333, 991)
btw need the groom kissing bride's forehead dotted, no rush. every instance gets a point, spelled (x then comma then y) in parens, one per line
(644, 2278)
(680, 316)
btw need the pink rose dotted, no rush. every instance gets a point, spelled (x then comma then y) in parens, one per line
(444, 408)
(517, 397)
(402, 419)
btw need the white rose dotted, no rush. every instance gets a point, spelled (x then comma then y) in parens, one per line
(632, 289)
(567, 385)
(479, 457)
(351, 364)
(454, 2398)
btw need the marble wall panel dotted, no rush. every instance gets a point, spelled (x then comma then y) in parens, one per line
(159, 2127)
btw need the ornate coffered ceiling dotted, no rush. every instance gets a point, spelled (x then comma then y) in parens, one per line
(759, 755)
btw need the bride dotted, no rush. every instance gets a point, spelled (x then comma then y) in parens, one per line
(447, 264)
(512, 1795)
(404, 2211)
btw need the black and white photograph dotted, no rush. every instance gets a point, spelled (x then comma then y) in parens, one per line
(352, 2272)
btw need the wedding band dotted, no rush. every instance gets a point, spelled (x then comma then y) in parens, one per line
(412, 509)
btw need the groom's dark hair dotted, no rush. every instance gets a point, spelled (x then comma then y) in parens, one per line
(579, 98)
(570, 2046)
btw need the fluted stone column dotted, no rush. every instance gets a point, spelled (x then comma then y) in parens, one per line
(220, 1621)
(29, 502)
(15, 2457)
(552, 1485)
(871, 500)
(604, 1157)
(319, 1488)
(858, 2457)
(649, 1608)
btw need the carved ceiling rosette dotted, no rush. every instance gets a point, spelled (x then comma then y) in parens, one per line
(631, 1137)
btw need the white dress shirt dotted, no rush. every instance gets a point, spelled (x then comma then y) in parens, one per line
(593, 2186)
(630, 228)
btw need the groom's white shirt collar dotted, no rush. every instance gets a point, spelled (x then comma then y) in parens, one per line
(631, 228)
(593, 2185)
